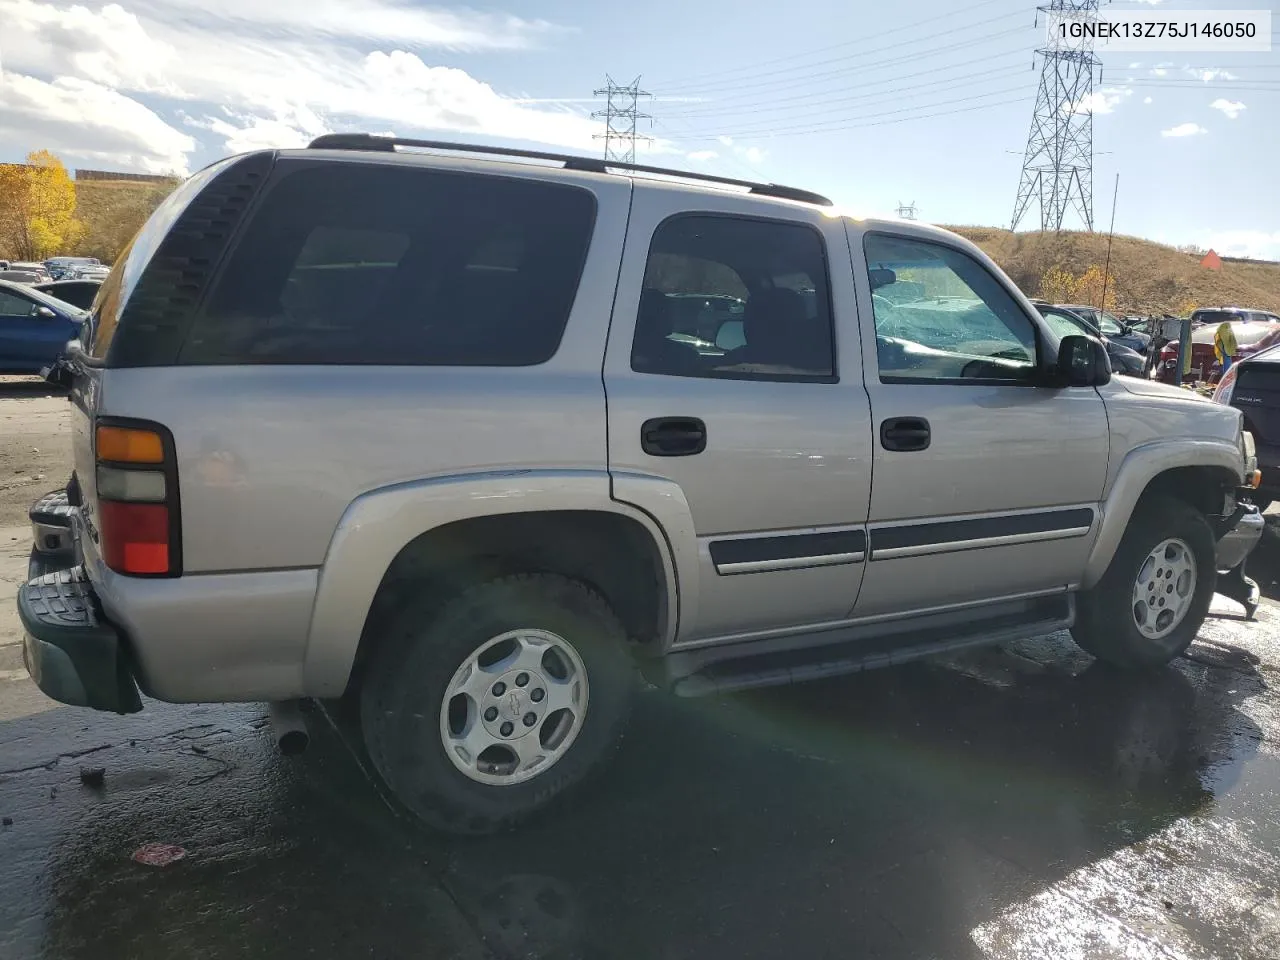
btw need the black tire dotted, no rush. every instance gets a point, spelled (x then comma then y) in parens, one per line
(403, 689)
(1105, 624)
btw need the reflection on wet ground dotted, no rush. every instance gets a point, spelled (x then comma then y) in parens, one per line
(1012, 803)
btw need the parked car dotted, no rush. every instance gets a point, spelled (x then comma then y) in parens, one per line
(34, 328)
(1112, 327)
(78, 293)
(88, 272)
(1204, 363)
(19, 276)
(60, 268)
(38, 269)
(1066, 323)
(1253, 387)
(496, 487)
(1216, 315)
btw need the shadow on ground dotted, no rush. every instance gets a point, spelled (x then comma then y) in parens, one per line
(892, 814)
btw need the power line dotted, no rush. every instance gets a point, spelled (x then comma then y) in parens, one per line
(816, 97)
(862, 66)
(873, 123)
(620, 116)
(1057, 167)
(750, 131)
(698, 77)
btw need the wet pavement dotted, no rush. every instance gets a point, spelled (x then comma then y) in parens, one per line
(1009, 804)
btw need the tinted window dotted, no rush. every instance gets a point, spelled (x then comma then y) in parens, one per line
(14, 306)
(735, 298)
(941, 315)
(359, 263)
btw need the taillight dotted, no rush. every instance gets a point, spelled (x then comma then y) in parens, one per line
(137, 499)
(1226, 386)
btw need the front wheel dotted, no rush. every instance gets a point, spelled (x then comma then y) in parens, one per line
(1149, 605)
(481, 712)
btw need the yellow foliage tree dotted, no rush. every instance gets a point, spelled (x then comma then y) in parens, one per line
(37, 208)
(1057, 285)
(1089, 287)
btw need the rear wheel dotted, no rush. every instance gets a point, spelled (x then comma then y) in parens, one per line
(1148, 606)
(481, 712)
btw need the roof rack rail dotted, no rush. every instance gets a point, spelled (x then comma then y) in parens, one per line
(367, 141)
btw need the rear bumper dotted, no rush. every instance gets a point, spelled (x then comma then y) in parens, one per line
(1240, 535)
(73, 653)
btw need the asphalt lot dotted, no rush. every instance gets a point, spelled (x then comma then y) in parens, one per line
(1015, 803)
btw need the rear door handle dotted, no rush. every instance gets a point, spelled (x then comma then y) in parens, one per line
(905, 433)
(673, 436)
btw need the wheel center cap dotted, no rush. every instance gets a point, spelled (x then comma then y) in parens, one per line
(515, 705)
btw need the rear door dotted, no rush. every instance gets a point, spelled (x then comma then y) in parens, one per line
(986, 485)
(761, 421)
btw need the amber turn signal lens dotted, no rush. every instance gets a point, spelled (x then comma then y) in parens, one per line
(127, 445)
(1254, 479)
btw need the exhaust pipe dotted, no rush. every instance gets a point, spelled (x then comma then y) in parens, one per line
(288, 729)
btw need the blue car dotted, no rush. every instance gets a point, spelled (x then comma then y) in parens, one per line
(34, 328)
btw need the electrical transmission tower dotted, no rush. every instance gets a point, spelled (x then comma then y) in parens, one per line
(907, 211)
(1057, 168)
(620, 115)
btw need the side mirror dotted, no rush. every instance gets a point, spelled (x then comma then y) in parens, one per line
(881, 277)
(44, 313)
(1082, 362)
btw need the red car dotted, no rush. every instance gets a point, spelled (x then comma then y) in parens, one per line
(1251, 336)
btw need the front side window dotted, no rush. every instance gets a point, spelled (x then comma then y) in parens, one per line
(735, 298)
(14, 306)
(372, 264)
(941, 316)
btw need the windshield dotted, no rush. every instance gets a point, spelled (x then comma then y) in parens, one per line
(1061, 323)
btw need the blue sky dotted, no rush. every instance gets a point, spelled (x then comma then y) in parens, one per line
(924, 100)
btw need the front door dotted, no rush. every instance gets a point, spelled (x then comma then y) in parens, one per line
(28, 341)
(733, 371)
(986, 483)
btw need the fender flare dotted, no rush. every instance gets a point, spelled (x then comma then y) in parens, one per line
(1140, 466)
(378, 524)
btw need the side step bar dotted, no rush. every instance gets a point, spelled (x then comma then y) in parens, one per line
(51, 529)
(852, 649)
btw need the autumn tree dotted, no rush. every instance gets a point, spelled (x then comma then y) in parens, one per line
(1089, 288)
(37, 208)
(1057, 285)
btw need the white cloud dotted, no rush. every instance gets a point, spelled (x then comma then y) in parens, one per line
(753, 155)
(1160, 69)
(702, 156)
(1232, 108)
(1184, 130)
(1209, 75)
(1255, 244)
(1101, 101)
(86, 121)
(1151, 2)
(1134, 66)
(261, 73)
(1146, 99)
(725, 141)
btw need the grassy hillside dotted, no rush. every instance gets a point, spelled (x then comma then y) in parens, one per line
(112, 211)
(1147, 277)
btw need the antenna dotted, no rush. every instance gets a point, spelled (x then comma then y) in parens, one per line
(1057, 165)
(620, 115)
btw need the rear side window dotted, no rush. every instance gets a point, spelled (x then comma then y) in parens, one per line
(369, 264)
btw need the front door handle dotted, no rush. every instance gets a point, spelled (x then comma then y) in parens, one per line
(673, 436)
(905, 433)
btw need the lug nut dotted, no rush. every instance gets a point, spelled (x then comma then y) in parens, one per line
(506, 729)
(491, 714)
(499, 688)
(522, 679)
(537, 695)
(530, 719)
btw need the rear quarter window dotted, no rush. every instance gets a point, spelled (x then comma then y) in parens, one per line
(361, 263)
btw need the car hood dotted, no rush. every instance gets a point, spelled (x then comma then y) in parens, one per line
(1154, 388)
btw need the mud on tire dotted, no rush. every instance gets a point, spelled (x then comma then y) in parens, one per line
(1105, 619)
(425, 646)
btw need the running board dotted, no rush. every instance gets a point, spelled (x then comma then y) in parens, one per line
(858, 647)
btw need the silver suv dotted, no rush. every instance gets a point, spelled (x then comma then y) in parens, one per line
(470, 441)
